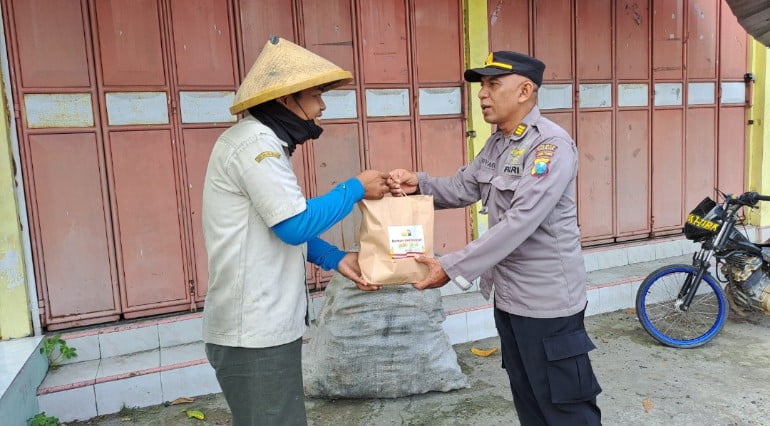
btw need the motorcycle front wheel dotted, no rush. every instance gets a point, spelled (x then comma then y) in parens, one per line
(658, 307)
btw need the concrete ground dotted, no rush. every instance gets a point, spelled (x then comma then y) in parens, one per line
(726, 382)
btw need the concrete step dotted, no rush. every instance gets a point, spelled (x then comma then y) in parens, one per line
(150, 361)
(22, 368)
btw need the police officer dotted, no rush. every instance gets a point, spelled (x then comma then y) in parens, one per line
(259, 230)
(531, 256)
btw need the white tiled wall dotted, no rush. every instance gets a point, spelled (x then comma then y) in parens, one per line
(180, 382)
(668, 249)
(612, 298)
(139, 391)
(638, 254)
(74, 404)
(591, 261)
(456, 328)
(129, 363)
(71, 373)
(87, 348)
(129, 341)
(182, 353)
(612, 259)
(481, 324)
(180, 332)
(617, 297)
(594, 303)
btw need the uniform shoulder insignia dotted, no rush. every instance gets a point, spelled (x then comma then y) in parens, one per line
(520, 129)
(546, 147)
(267, 154)
(543, 154)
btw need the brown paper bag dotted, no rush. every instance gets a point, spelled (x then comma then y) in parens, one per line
(395, 230)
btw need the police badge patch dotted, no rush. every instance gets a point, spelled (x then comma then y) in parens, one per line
(541, 167)
(543, 154)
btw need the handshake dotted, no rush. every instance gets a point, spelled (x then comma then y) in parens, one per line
(399, 182)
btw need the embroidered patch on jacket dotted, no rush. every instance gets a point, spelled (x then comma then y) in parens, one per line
(516, 154)
(520, 129)
(541, 167)
(543, 154)
(546, 149)
(514, 165)
(267, 154)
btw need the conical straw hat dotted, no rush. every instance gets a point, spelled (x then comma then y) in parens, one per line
(283, 68)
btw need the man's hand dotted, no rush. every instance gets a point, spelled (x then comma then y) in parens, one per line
(402, 182)
(348, 267)
(436, 276)
(375, 184)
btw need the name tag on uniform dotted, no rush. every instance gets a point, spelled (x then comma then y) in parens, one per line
(512, 169)
(488, 163)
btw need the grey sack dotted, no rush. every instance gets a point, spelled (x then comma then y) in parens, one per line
(381, 344)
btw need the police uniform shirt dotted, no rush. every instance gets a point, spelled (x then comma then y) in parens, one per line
(531, 253)
(256, 292)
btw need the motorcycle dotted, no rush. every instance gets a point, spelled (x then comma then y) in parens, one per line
(685, 306)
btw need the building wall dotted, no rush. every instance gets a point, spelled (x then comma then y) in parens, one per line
(477, 40)
(15, 317)
(758, 152)
(14, 297)
(136, 97)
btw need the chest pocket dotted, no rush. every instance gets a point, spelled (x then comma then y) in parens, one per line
(496, 190)
(503, 190)
(484, 179)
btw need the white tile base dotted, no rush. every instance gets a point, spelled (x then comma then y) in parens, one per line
(481, 324)
(129, 341)
(69, 405)
(456, 328)
(617, 297)
(180, 332)
(139, 391)
(87, 348)
(199, 379)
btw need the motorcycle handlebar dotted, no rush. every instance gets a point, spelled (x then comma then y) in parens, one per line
(750, 199)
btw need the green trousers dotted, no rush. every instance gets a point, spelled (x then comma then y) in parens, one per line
(262, 386)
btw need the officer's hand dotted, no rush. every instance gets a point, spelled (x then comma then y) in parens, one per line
(375, 184)
(436, 276)
(349, 268)
(402, 182)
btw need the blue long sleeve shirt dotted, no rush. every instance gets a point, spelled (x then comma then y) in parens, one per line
(321, 213)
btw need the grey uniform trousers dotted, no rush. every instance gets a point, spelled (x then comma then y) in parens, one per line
(262, 386)
(548, 366)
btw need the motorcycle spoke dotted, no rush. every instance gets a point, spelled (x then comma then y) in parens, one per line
(670, 320)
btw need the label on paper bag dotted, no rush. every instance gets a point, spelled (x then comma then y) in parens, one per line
(406, 241)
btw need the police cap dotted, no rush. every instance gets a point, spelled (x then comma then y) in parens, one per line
(507, 62)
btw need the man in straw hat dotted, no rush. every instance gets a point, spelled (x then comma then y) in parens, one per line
(260, 230)
(531, 255)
